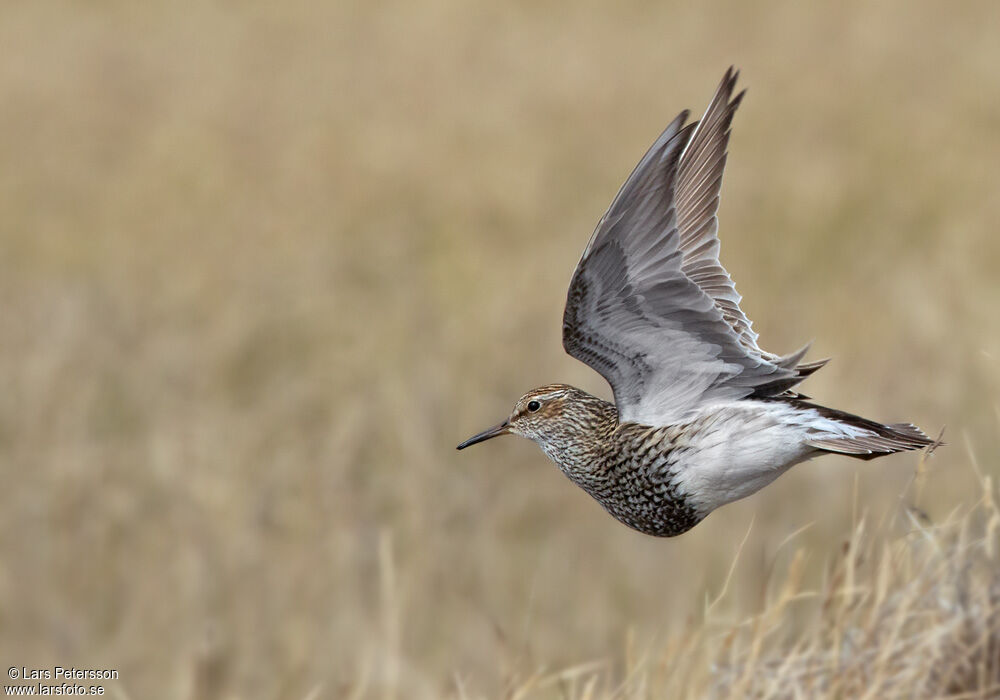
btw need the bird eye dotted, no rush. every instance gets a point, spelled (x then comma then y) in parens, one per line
(534, 406)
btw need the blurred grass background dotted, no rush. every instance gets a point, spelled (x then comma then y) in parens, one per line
(263, 265)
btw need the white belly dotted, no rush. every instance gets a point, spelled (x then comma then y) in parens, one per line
(736, 449)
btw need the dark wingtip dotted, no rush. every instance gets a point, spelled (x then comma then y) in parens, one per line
(808, 368)
(731, 77)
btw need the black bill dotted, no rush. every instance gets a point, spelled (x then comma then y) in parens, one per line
(500, 429)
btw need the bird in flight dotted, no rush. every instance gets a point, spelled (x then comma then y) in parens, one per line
(702, 415)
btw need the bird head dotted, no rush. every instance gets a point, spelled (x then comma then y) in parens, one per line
(540, 415)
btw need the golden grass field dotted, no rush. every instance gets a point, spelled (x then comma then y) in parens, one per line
(262, 266)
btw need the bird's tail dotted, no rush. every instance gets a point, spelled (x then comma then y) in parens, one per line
(862, 438)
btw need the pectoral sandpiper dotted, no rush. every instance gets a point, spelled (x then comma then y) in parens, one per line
(702, 415)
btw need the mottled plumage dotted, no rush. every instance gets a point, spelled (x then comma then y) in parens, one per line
(702, 415)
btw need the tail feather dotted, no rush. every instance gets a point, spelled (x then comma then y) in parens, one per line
(863, 438)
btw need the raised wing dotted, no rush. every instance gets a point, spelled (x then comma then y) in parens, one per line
(699, 182)
(650, 307)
